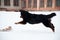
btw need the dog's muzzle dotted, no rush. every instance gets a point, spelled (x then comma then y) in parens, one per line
(20, 16)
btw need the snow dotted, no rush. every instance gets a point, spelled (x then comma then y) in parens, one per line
(28, 31)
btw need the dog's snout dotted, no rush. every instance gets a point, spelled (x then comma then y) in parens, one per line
(20, 16)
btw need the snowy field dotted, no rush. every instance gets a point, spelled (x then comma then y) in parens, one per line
(28, 31)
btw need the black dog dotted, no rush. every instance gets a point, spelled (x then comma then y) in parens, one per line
(37, 18)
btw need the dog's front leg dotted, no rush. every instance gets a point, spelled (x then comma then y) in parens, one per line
(22, 22)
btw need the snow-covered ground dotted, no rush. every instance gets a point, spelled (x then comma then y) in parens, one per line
(28, 31)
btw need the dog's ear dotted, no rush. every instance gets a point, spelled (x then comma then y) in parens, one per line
(23, 11)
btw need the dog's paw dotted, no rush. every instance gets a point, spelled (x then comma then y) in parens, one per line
(20, 22)
(17, 23)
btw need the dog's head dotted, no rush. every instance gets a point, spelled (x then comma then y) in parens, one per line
(23, 13)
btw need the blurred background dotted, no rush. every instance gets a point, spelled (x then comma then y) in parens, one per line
(8, 16)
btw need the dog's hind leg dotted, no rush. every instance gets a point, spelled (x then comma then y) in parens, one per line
(52, 27)
(49, 24)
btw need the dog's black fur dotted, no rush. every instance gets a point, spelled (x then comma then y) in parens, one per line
(37, 18)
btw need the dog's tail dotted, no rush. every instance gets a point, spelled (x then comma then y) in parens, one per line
(51, 15)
